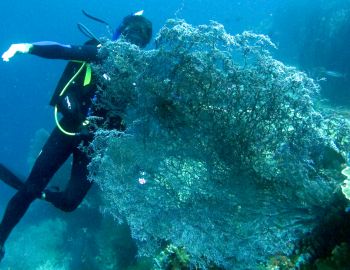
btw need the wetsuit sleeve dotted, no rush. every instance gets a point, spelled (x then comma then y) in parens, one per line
(53, 50)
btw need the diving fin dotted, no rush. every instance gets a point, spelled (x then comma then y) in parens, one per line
(10, 178)
(2, 252)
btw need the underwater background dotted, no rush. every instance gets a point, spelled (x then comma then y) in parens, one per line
(312, 36)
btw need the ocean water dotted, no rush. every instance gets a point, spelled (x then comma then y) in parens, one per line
(310, 35)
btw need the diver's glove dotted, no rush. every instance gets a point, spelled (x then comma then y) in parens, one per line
(16, 48)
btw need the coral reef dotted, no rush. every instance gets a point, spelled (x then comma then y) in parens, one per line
(224, 152)
(38, 247)
(172, 258)
(338, 259)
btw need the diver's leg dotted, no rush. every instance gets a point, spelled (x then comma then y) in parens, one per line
(56, 150)
(78, 185)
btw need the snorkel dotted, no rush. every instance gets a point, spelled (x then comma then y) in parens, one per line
(115, 35)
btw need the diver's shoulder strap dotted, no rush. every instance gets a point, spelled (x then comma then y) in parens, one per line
(65, 77)
(71, 70)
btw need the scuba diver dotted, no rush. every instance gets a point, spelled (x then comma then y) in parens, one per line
(74, 98)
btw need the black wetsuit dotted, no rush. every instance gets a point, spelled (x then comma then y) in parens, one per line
(59, 146)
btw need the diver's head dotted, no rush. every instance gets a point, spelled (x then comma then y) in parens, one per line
(136, 29)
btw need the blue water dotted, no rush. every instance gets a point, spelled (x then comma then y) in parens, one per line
(27, 82)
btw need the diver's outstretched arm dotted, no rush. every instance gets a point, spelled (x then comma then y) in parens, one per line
(54, 50)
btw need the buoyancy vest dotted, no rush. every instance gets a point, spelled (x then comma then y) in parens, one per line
(73, 95)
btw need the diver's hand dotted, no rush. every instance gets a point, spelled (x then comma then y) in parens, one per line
(16, 48)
